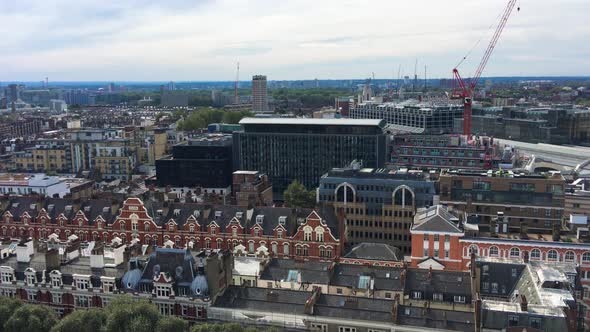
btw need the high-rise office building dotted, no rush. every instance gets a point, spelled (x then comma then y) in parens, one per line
(290, 149)
(259, 94)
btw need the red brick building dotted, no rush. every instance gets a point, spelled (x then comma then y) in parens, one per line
(284, 232)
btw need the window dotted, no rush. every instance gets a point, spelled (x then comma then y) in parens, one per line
(586, 257)
(184, 310)
(473, 249)
(536, 322)
(6, 277)
(417, 295)
(387, 295)
(234, 231)
(166, 309)
(514, 253)
(274, 248)
(307, 233)
(56, 298)
(459, 299)
(569, 256)
(514, 272)
(485, 286)
(339, 291)
(256, 232)
(346, 329)
(82, 283)
(280, 233)
(56, 280)
(162, 290)
(437, 297)
(32, 295)
(122, 224)
(146, 227)
(512, 320)
(81, 301)
(134, 225)
(319, 234)
(493, 251)
(251, 247)
(317, 327)
(494, 287)
(552, 255)
(522, 187)
(286, 249)
(535, 254)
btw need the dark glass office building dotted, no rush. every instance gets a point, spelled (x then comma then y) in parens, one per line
(304, 149)
(204, 162)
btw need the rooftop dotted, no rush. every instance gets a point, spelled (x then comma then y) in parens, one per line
(310, 121)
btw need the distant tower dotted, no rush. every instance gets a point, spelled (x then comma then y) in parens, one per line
(171, 86)
(236, 85)
(367, 91)
(259, 94)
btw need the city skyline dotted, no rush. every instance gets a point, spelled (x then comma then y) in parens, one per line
(200, 41)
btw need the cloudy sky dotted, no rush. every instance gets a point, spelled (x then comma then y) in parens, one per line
(297, 39)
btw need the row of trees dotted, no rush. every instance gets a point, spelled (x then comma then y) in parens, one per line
(121, 315)
(200, 118)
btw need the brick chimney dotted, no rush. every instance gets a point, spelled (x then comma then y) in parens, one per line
(394, 309)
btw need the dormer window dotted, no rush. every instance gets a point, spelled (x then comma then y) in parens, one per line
(171, 227)
(280, 233)
(260, 219)
(234, 231)
(191, 227)
(282, 220)
(6, 275)
(239, 215)
(99, 225)
(25, 220)
(176, 212)
(213, 230)
(217, 214)
(30, 277)
(81, 283)
(61, 222)
(56, 280)
(163, 290)
(7, 219)
(80, 222)
(256, 232)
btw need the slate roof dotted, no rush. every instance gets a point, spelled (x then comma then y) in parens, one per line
(311, 272)
(19, 205)
(56, 206)
(505, 274)
(385, 278)
(445, 282)
(350, 307)
(374, 251)
(436, 318)
(436, 219)
(264, 299)
(169, 261)
(94, 208)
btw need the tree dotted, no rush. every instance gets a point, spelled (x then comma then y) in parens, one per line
(126, 314)
(171, 324)
(33, 318)
(297, 196)
(7, 307)
(82, 320)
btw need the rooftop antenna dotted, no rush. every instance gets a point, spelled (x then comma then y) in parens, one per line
(425, 82)
(237, 82)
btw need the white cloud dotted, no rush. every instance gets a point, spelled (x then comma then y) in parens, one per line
(202, 40)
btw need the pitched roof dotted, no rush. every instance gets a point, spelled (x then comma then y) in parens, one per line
(436, 219)
(374, 251)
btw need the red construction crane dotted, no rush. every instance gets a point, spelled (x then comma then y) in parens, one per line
(464, 91)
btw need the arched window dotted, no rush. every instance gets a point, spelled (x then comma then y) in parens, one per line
(535, 254)
(514, 253)
(122, 223)
(191, 228)
(319, 234)
(80, 222)
(345, 193)
(586, 257)
(552, 255)
(286, 249)
(219, 243)
(403, 196)
(570, 256)
(146, 226)
(307, 233)
(473, 249)
(494, 252)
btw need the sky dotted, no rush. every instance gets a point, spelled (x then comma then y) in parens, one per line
(196, 40)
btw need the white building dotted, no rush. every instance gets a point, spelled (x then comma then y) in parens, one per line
(24, 184)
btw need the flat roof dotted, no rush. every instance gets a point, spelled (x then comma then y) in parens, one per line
(311, 121)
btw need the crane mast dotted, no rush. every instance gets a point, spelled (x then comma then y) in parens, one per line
(464, 91)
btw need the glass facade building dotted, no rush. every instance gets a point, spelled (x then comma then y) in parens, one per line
(304, 149)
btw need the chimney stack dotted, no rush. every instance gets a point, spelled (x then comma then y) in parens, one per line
(24, 251)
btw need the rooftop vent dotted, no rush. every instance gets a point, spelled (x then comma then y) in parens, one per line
(50, 207)
(260, 219)
(159, 212)
(106, 209)
(33, 206)
(87, 208)
(176, 212)
(197, 213)
(239, 214)
(68, 208)
(15, 205)
(218, 214)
